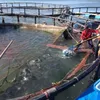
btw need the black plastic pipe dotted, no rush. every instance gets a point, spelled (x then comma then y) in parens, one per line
(55, 90)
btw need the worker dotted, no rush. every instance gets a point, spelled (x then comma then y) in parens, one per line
(97, 51)
(96, 75)
(98, 28)
(86, 34)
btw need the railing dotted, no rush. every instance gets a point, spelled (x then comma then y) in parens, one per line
(85, 10)
(31, 8)
(20, 10)
(28, 4)
(40, 11)
(38, 19)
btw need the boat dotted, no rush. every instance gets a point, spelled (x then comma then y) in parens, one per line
(91, 93)
(92, 16)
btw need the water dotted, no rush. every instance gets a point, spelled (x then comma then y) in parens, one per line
(40, 66)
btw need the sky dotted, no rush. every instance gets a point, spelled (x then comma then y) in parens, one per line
(52, 0)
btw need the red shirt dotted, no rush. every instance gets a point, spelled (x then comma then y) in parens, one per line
(87, 33)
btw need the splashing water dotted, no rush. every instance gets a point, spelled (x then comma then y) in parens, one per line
(68, 53)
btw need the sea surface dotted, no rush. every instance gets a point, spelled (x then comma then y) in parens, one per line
(40, 65)
(72, 3)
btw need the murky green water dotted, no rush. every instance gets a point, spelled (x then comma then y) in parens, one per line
(40, 66)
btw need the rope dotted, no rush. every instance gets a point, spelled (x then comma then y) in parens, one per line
(68, 25)
(72, 36)
(74, 70)
(57, 37)
(5, 79)
(8, 71)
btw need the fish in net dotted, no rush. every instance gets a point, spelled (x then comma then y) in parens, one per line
(69, 51)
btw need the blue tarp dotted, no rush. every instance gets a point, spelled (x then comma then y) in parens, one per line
(92, 93)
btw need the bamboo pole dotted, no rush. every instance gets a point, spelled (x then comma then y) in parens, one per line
(6, 49)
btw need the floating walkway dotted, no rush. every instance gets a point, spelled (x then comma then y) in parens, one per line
(35, 8)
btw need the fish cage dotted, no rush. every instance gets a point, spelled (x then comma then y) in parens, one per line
(31, 54)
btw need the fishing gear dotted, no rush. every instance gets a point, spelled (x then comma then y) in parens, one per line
(70, 50)
(55, 90)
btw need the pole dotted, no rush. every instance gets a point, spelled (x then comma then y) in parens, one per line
(6, 49)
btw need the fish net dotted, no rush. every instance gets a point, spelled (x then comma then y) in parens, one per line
(69, 52)
(32, 64)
